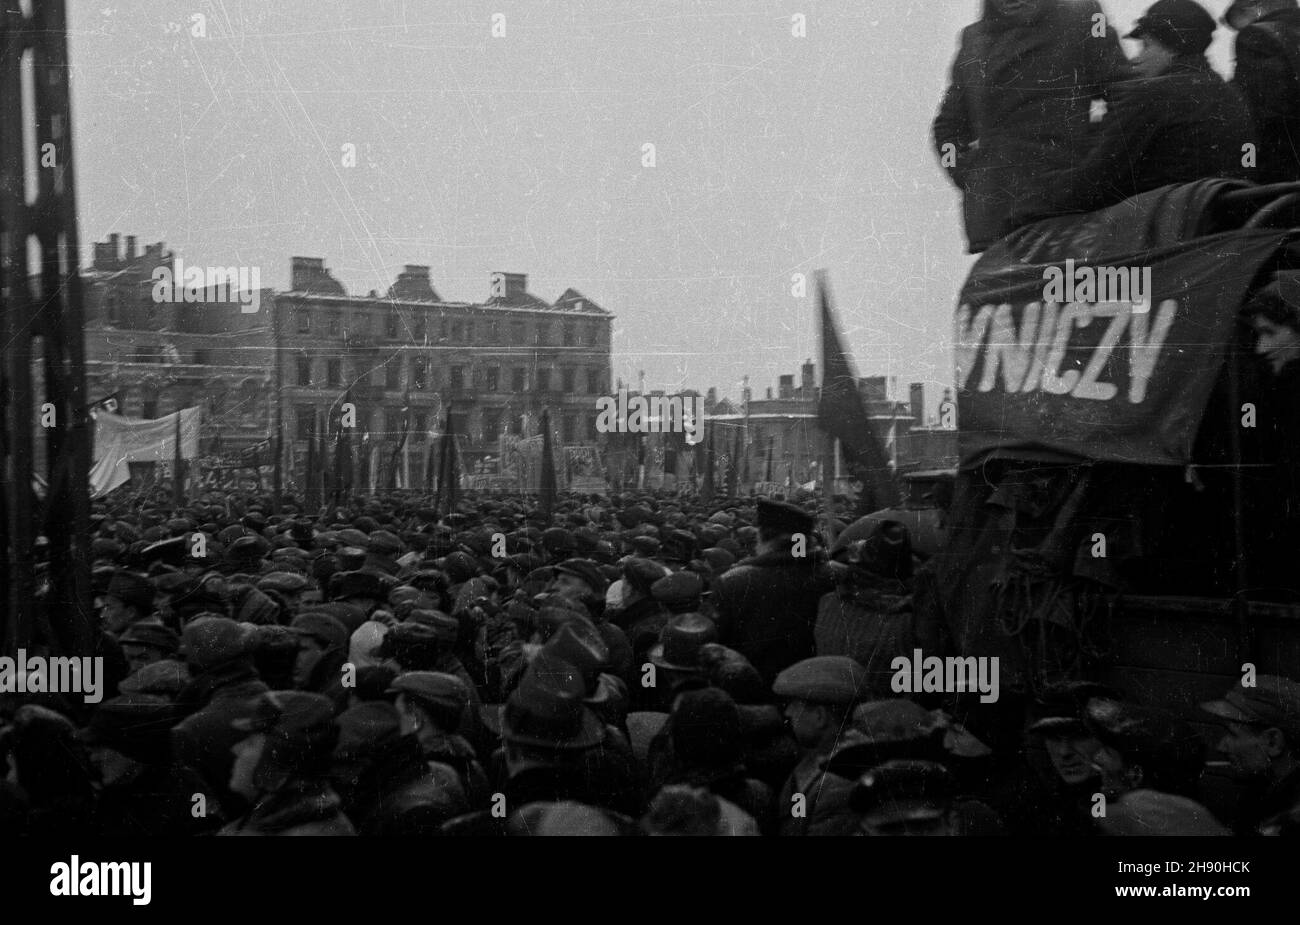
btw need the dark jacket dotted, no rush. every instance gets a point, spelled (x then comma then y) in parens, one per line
(1268, 76)
(1024, 92)
(204, 738)
(456, 752)
(303, 807)
(1187, 124)
(641, 622)
(157, 802)
(766, 607)
(398, 793)
(871, 625)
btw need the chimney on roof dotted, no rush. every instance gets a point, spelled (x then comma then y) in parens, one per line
(130, 248)
(807, 383)
(508, 286)
(308, 274)
(115, 240)
(785, 387)
(412, 285)
(916, 395)
(711, 398)
(769, 393)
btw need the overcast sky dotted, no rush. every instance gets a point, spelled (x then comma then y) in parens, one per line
(774, 155)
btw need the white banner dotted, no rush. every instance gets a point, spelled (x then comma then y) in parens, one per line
(121, 440)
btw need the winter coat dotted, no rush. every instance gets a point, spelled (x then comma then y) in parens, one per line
(871, 625)
(766, 607)
(204, 738)
(302, 807)
(1018, 109)
(1268, 76)
(1187, 124)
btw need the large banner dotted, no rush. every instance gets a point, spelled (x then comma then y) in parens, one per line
(120, 441)
(1112, 359)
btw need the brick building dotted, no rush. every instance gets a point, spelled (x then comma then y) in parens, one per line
(492, 365)
(159, 356)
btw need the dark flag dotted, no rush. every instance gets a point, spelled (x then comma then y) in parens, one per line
(548, 490)
(733, 465)
(401, 441)
(430, 464)
(771, 447)
(309, 492)
(178, 468)
(842, 413)
(321, 475)
(707, 489)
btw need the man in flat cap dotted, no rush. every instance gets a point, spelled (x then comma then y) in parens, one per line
(1177, 123)
(766, 605)
(129, 599)
(144, 643)
(1268, 76)
(820, 694)
(322, 650)
(1262, 743)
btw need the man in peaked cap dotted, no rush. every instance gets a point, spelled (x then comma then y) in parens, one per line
(766, 605)
(1178, 123)
(1262, 743)
(580, 581)
(128, 599)
(432, 707)
(144, 643)
(1268, 76)
(281, 766)
(906, 798)
(322, 650)
(820, 695)
(223, 686)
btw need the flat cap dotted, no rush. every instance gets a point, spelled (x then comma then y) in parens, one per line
(284, 582)
(783, 517)
(132, 588)
(587, 571)
(1273, 702)
(432, 687)
(678, 588)
(321, 627)
(822, 679)
(152, 635)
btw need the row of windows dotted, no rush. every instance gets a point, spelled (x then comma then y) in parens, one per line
(494, 421)
(424, 375)
(455, 332)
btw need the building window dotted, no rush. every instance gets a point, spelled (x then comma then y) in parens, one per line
(469, 332)
(568, 335)
(304, 370)
(361, 325)
(392, 375)
(456, 378)
(491, 424)
(593, 382)
(516, 332)
(333, 372)
(494, 333)
(390, 325)
(421, 329)
(566, 380)
(493, 378)
(516, 380)
(543, 332)
(457, 332)
(420, 427)
(442, 329)
(334, 325)
(304, 322)
(305, 415)
(543, 380)
(419, 379)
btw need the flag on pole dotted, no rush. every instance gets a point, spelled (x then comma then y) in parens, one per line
(178, 468)
(842, 413)
(707, 489)
(548, 489)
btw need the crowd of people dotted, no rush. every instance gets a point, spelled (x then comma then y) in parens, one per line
(1045, 116)
(636, 664)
